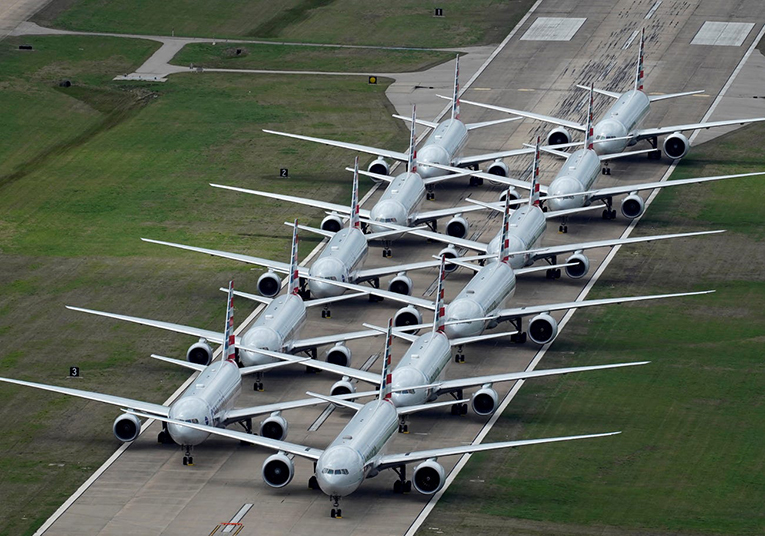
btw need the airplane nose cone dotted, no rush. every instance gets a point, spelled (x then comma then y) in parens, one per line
(515, 244)
(259, 337)
(326, 268)
(463, 309)
(407, 377)
(339, 471)
(435, 154)
(606, 129)
(562, 186)
(189, 409)
(388, 211)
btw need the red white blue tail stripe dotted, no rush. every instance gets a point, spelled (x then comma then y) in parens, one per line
(505, 239)
(534, 197)
(294, 285)
(229, 339)
(588, 141)
(440, 319)
(456, 96)
(385, 386)
(640, 73)
(355, 221)
(412, 164)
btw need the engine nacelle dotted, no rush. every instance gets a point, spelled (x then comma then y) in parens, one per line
(200, 353)
(342, 387)
(269, 284)
(484, 401)
(581, 267)
(457, 227)
(339, 354)
(380, 167)
(633, 206)
(428, 477)
(558, 136)
(278, 470)
(542, 328)
(126, 427)
(514, 195)
(499, 168)
(407, 316)
(401, 284)
(332, 223)
(449, 252)
(676, 145)
(274, 427)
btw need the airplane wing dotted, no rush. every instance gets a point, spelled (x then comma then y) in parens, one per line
(394, 296)
(544, 253)
(430, 215)
(612, 94)
(394, 460)
(539, 117)
(478, 158)
(654, 98)
(212, 336)
(236, 415)
(488, 176)
(446, 239)
(274, 444)
(482, 124)
(516, 312)
(463, 383)
(429, 124)
(371, 273)
(340, 209)
(352, 146)
(154, 410)
(283, 267)
(299, 345)
(644, 133)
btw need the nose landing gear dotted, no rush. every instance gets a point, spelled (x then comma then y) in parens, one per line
(335, 513)
(187, 458)
(326, 313)
(258, 384)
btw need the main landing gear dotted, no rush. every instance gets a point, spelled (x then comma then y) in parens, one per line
(187, 458)
(553, 273)
(326, 313)
(430, 195)
(386, 250)
(519, 337)
(609, 213)
(655, 155)
(606, 169)
(402, 485)
(459, 357)
(459, 409)
(335, 513)
(164, 438)
(403, 425)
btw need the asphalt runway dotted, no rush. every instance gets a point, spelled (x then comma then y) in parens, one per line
(148, 491)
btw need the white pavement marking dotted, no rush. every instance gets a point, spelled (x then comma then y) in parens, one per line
(585, 291)
(553, 29)
(728, 34)
(238, 517)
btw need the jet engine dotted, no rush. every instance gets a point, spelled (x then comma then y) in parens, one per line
(633, 206)
(428, 477)
(484, 401)
(380, 167)
(269, 284)
(200, 353)
(581, 267)
(339, 354)
(676, 145)
(499, 168)
(407, 316)
(542, 328)
(332, 223)
(558, 136)
(274, 427)
(457, 227)
(278, 470)
(401, 284)
(342, 387)
(514, 195)
(126, 427)
(449, 252)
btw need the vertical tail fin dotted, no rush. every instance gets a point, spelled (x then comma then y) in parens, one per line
(294, 285)
(229, 339)
(534, 194)
(640, 73)
(505, 240)
(588, 142)
(412, 164)
(439, 320)
(456, 97)
(385, 387)
(355, 222)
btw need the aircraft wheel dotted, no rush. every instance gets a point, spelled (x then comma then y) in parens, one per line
(408, 486)
(333, 513)
(313, 483)
(398, 487)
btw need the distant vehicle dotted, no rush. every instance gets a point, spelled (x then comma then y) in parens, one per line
(359, 451)
(620, 128)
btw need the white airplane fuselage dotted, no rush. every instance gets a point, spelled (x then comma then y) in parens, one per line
(484, 294)
(423, 363)
(621, 119)
(205, 402)
(350, 458)
(578, 174)
(527, 226)
(442, 147)
(398, 203)
(339, 261)
(274, 329)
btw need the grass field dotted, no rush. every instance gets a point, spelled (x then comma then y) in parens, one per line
(690, 460)
(398, 23)
(90, 169)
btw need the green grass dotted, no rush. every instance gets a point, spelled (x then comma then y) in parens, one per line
(306, 58)
(400, 23)
(690, 460)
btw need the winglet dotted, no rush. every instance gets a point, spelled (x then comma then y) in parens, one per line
(588, 142)
(534, 197)
(455, 97)
(294, 285)
(440, 318)
(505, 239)
(385, 385)
(639, 75)
(412, 164)
(355, 222)
(229, 339)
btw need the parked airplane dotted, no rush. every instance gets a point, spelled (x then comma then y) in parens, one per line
(359, 451)
(620, 128)
(209, 400)
(276, 328)
(527, 227)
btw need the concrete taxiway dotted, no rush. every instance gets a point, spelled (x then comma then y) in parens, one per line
(147, 491)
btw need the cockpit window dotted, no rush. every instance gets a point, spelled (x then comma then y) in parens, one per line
(328, 471)
(192, 421)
